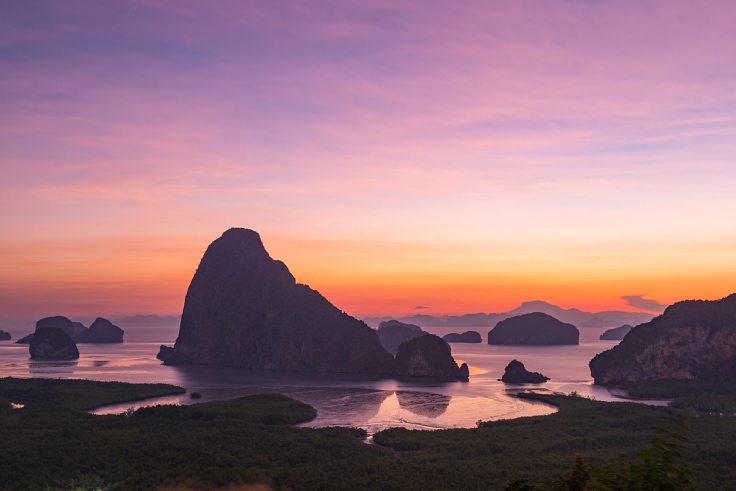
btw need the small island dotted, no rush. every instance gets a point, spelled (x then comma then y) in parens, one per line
(535, 328)
(516, 373)
(4, 336)
(617, 333)
(466, 337)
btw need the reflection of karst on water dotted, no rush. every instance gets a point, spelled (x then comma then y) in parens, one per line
(423, 403)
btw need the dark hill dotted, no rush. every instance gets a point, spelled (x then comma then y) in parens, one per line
(245, 309)
(394, 322)
(391, 336)
(5, 336)
(691, 340)
(533, 328)
(101, 331)
(617, 333)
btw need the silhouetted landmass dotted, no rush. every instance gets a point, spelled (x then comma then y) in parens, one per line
(533, 328)
(617, 333)
(577, 317)
(52, 343)
(594, 322)
(516, 373)
(59, 322)
(25, 339)
(5, 336)
(245, 309)
(101, 331)
(428, 356)
(394, 322)
(466, 337)
(691, 340)
(78, 327)
(392, 335)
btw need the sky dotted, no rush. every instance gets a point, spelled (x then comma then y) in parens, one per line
(400, 156)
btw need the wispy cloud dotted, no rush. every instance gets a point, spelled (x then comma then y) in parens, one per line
(639, 302)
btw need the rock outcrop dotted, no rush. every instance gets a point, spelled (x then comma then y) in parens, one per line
(101, 331)
(394, 322)
(466, 337)
(391, 336)
(4, 336)
(25, 339)
(533, 328)
(59, 322)
(691, 340)
(428, 356)
(516, 373)
(244, 309)
(52, 343)
(617, 333)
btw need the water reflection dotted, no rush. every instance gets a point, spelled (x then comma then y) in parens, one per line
(423, 403)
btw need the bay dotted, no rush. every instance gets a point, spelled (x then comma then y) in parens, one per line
(369, 402)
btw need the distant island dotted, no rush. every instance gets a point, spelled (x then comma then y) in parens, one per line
(691, 340)
(100, 332)
(5, 336)
(576, 317)
(466, 337)
(534, 328)
(394, 333)
(616, 334)
(245, 309)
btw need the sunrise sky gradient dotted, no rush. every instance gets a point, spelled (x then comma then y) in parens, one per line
(460, 156)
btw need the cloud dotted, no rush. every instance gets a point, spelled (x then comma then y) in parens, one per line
(639, 302)
(419, 307)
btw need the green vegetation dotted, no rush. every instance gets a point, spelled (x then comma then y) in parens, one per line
(704, 397)
(54, 444)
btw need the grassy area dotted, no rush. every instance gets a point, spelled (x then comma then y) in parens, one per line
(57, 445)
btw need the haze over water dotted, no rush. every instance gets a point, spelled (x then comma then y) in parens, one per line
(368, 402)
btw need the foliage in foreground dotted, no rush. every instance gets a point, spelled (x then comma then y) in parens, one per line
(49, 446)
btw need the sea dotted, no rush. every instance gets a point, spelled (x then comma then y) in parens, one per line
(368, 402)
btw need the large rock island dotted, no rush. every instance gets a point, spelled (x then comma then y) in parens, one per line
(52, 343)
(245, 309)
(428, 356)
(691, 340)
(466, 337)
(533, 328)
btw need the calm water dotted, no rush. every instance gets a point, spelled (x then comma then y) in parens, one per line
(367, 402)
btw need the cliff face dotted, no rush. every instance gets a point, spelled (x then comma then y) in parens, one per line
(533, 328)
(691, 340)
(52, 343)
(428, 356)
(245, 309)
